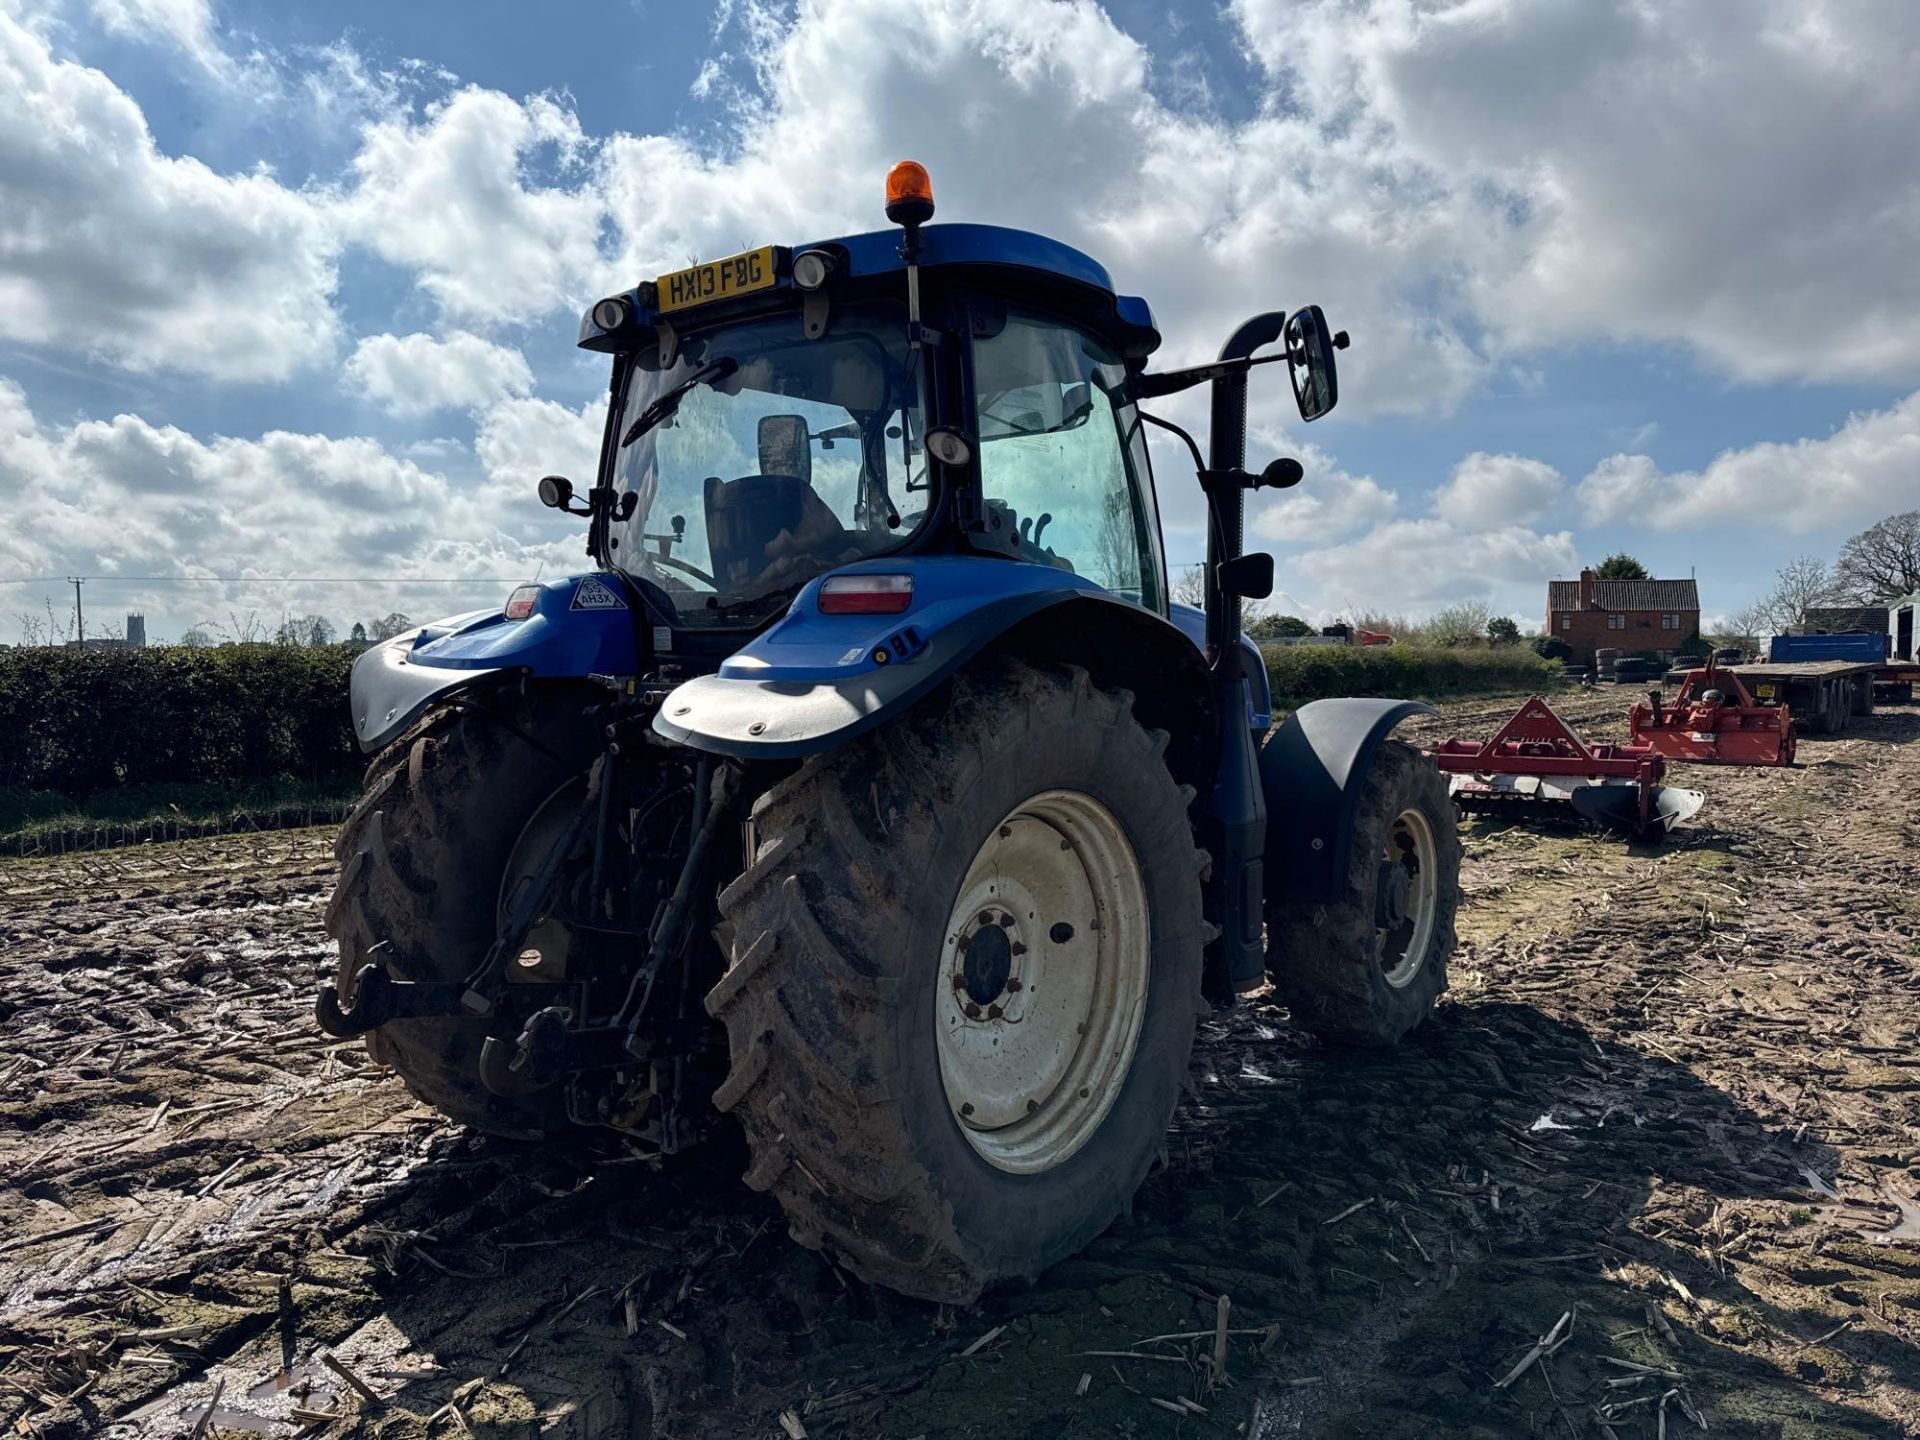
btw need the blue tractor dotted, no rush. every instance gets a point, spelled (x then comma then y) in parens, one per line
(870, 789)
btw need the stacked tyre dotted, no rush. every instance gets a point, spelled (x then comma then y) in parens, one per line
(1604, 660)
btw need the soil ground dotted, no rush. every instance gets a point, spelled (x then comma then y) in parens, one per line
(1665, 1123)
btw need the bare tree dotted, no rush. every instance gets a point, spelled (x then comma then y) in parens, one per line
(1190, 586)
(1745, 628)
(197, 636)
(388, 626)
(1460, 625)
(1882, 562)
(304, 630)
(1798, 586)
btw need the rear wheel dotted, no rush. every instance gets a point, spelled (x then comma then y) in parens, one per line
(426, 862)
(964, 975)
(1367, 969)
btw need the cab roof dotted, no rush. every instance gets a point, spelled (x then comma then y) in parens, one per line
(996, 260)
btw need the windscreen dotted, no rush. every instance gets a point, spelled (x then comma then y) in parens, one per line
(802, 456)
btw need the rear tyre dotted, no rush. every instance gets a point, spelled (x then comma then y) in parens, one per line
(421, 863)
(1862, 694)
(1367, 969)
(963, 981)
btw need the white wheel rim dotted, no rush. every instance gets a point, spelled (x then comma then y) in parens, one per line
(1406, 898)
(1043, 981)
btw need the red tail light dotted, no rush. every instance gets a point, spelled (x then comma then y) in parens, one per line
(520, 602)
(865, 594)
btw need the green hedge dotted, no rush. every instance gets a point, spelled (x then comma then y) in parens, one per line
(78, 721)
(1315, 672)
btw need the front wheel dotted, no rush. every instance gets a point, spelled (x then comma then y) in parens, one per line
(1367, 969)
(964, 975)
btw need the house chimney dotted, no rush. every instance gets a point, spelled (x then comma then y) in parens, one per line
(1586, 589)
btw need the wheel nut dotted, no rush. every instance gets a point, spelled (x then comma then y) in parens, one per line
(1013, 981)
(1018, 948)
(1006, 831)
(1032, 1105)
(1006, 922)
(994, 1012)
(973, 1011)
(986, 917)
(966, 1109)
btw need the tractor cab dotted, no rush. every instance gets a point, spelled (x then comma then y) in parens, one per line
(957, 390)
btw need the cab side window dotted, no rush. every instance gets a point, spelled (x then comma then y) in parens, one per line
(1055, 468)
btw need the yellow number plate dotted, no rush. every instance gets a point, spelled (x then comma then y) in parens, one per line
(1763, 692)
(716, 280)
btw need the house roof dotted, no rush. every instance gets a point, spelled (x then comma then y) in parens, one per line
(1626, 595)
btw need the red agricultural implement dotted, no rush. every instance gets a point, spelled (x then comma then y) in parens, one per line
(1714, 721)
(1536, 756)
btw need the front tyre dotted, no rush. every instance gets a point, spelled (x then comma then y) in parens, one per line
(964, 974)
(425, 859)
(1367, 969)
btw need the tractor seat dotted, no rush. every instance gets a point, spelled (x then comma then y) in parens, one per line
(756, 521)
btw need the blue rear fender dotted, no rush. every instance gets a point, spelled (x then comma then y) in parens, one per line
(580, 625)
(814, 681)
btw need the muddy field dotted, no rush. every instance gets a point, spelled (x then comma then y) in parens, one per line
(1652, 1170)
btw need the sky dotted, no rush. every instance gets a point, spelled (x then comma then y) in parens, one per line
(289, 293)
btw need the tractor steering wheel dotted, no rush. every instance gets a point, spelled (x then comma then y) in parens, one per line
(684, 568)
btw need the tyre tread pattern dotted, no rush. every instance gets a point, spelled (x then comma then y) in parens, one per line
(809, 980)
(1323, 957)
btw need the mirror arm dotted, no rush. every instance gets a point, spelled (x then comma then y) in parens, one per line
(1143, 386)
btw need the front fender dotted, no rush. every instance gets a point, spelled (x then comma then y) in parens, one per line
(814, 681)
(1312, 773)
(580, 625)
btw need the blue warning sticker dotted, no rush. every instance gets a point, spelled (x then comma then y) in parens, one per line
(596, 594)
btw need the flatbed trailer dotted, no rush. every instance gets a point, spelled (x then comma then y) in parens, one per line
(1822, 694)
(1827, 678)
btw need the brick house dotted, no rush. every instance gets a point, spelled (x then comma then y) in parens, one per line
(1628, 615)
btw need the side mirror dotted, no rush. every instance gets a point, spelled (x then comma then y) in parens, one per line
(1316, 385)
(786, 446)
(1248, 576)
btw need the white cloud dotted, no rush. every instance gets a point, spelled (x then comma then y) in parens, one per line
(1420, 565)
(417, 374)
(449, 198)
(1487, 491)
(154, 262)
(187, 24)
(521, 440)
(1738, 179)
(1868, 468)
(1040, 116)
(126, 496)
(1325, 505)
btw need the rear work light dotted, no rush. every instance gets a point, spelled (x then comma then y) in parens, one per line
(520, 602)
(865, 594)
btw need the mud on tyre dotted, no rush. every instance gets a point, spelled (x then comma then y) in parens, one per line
(421, 861)
(1367, 969)
(912, 941)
